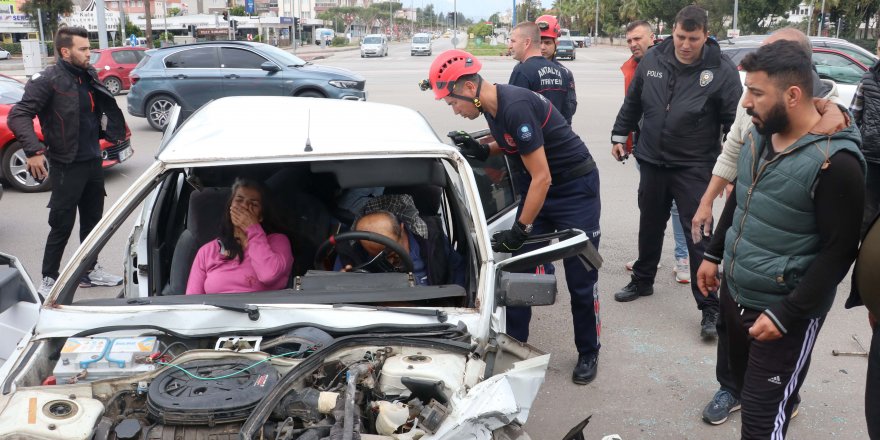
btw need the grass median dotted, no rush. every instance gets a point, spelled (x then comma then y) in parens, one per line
(485, 49)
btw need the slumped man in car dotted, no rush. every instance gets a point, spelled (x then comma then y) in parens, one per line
(70, 102)
(542, 149)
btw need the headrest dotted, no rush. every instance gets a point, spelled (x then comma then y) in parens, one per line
(205, 214)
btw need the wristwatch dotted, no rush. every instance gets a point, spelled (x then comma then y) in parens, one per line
(526, 228)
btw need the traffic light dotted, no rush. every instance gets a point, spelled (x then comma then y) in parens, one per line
(46, 16)
(226, 15)
(296, 23)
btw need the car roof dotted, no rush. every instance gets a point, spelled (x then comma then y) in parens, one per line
(116, 49)
(274, 128)
(212, 43)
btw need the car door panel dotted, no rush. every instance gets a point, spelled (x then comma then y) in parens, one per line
(243, 76)
(19, 307)
(195, 76)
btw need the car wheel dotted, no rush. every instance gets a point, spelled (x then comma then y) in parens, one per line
(310, 94)
(16, 173)
(113, 84)
(159, 111)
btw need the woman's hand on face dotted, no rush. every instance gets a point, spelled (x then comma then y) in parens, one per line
(243, 218)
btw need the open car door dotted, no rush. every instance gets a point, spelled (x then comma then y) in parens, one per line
(19, 309)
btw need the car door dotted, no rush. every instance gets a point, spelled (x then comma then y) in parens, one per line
(244, 76)
(837, 67)
(19, 308)
(498, 193)
(194, 76)
(124, 62)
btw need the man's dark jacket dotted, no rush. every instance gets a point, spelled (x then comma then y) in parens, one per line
(685, 107)
(869, 122)
(52, 95)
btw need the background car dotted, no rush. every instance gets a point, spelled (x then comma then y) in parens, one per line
(565, 48)
(13, 161)
(190, 75)
(374, 45)
(855, 51)
(421, 44)
(115, 64)
(832, 64)
(4, 54)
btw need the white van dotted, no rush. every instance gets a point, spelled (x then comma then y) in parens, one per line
(421, 44)
(374, 45)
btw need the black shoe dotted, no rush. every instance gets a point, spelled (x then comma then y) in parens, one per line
(718, 410)
(586, 368)
(633, 290)
(707, 325)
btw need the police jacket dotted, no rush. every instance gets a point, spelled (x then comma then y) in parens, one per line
(683, 108)
(869, 118)
(52, 96)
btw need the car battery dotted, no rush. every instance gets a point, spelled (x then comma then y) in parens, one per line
(88, 359)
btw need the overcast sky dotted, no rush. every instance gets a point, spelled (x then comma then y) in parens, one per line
(474, 9)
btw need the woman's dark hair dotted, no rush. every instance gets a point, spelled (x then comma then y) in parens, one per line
(64, 37)
(271, 223)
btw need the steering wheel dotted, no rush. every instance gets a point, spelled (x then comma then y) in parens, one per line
(330, 244)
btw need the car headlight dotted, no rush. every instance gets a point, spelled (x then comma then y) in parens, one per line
(343, 84)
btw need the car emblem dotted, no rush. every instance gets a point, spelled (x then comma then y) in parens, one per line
(706, 77)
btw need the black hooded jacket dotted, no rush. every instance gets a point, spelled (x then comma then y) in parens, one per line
(684, 108)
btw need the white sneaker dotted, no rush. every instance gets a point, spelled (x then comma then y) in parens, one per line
(682, 271)
(630, 263)
(100, 278)
(46, 286)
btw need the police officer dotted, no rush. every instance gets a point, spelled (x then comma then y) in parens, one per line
(534, 72)
(550, 32)
(542, 149)
(683, 96)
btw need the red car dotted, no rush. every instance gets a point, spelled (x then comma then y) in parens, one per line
(13, 162)
(114, 65)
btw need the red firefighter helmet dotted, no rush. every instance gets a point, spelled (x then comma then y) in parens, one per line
(549, 26)
(447, 68)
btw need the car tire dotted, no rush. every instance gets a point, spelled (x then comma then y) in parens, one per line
(15, 170)
(158, 111)
(310, 94)
(113, 84)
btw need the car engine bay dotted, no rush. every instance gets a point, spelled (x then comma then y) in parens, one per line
(303, 384)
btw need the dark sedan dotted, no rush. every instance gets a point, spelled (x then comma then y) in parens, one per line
(193, 74)
(565, 48)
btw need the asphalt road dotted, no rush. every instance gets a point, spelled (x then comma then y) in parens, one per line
(655, 374)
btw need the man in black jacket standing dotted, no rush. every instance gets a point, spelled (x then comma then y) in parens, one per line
(865, 109)
(70, 103)
(685, 92)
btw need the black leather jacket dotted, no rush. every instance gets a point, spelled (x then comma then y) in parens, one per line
(52, 96)
(868, 120)
(683, 109)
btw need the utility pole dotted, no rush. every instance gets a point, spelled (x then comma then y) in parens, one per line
(148, 16)
(121, 22)
(821, 19)
(596, 28)
(164, 18)
(102, 23)
(736, 15)
(42, 38)
(391, 20)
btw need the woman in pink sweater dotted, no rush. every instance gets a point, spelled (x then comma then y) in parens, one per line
(250, 255)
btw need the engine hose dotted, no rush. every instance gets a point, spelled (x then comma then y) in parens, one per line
(354, 374)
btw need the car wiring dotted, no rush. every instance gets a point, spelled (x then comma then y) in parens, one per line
(308, 350)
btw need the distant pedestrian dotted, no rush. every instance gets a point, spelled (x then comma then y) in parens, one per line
(534, 72)
(550, 32)
(640, 38)
(865, 109)
(788, 233)
(69, 101)
(684, 94)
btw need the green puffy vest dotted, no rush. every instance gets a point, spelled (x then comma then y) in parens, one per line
(774, 237)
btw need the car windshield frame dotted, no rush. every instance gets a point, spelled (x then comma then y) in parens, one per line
(566, 43)
(421, 40)
(373, 40)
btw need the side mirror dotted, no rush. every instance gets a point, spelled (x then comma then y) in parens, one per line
(269, 66)
(526, 289)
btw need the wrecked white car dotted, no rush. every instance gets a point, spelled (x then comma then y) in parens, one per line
(365, 354)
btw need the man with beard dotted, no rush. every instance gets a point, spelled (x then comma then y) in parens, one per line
(726, 399)
(788, 234)
(70, 102)
(534, 72)
(682, 98)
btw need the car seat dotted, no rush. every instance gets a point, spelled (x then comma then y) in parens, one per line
(206, 207)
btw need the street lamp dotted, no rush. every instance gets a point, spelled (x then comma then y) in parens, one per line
(596, 28)
(165, 18)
